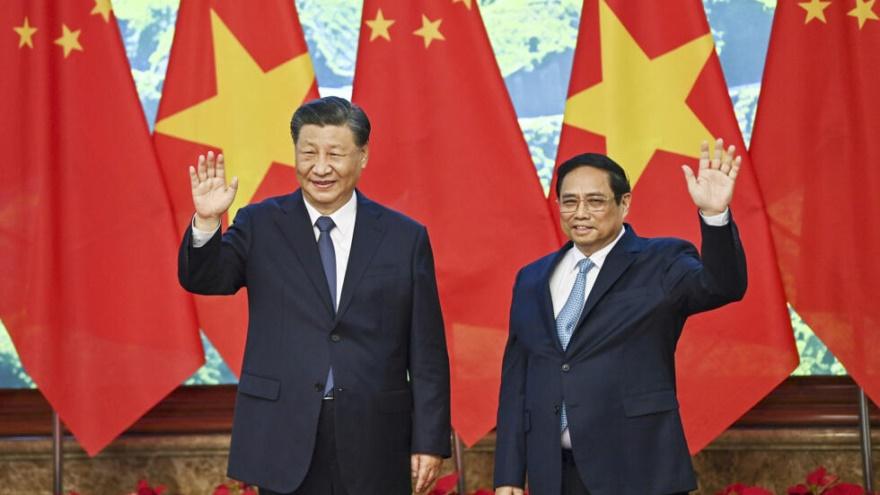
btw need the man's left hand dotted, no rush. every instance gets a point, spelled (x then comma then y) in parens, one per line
(425, 469)
(712, 188)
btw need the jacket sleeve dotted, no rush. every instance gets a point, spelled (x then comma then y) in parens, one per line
(510, 446)
(715, 277)
(218, 267)
(428, 358)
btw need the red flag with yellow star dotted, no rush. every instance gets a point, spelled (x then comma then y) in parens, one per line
(236, 73)
(88, 289)
(446, 149)
(816, 152)
(647, 93)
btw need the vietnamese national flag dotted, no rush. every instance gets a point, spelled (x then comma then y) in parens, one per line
(88, 287)
(236, 73)
(446, 149)
(647, 93)
(816, 149)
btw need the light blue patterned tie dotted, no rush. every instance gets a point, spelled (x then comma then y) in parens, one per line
(570, 314)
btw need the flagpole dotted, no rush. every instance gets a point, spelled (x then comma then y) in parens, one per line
(459, 462)
(865, 434)
(57, 457)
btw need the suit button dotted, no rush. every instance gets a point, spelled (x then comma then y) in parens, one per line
(566, 367)
(335, 337)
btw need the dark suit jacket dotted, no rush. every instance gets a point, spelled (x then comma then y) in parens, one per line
(386, 344)
(617, 375)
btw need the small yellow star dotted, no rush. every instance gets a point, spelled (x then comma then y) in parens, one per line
(25, 33)
(430, 30)
(379, 27)
(69, 40)
(102, 7)
(864, 11)
(815, 10)
(467, 3)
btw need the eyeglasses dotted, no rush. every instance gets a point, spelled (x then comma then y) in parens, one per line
(594, 204)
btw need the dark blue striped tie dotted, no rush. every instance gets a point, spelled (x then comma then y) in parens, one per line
(328, 259)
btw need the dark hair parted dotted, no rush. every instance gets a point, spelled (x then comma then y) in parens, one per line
(335, 111)
(616, 175)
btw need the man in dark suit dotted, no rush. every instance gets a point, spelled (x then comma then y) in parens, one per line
(345, 380)
(588, 403)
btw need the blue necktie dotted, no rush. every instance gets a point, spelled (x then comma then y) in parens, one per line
(328, 259)
(570, 314)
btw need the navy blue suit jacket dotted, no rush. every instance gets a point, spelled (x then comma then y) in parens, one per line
(617, 375)
(386, 344)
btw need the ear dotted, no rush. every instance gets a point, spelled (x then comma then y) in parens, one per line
(365, 155)
(625, 202)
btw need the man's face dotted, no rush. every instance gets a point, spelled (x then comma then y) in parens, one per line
(588, 213)
(328, 165)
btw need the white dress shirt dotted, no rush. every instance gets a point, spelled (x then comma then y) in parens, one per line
(341, 235)
(564, 275)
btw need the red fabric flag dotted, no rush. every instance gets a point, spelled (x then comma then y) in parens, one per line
(816, 149)
(446, 149)
(236, 73)
(88, 287)
(647, 93)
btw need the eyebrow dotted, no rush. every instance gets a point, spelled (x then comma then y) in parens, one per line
(588, 195)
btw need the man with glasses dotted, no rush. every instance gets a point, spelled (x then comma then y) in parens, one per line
(345, 381)
(588, 402)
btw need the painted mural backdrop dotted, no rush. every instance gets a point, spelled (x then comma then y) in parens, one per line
(533, 42)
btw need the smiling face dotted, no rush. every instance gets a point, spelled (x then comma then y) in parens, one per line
(596, 218)
(328, 165)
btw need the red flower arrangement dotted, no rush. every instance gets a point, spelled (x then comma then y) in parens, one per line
(818, 482)
(446, 486)
(234, 488)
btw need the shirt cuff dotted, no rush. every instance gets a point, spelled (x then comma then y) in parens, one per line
(201, 237)
(718, 220)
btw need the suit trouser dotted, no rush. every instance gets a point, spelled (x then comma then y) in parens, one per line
(323, 476)
(571, 479)
(572, 484)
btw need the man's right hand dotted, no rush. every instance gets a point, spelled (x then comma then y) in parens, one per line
(508, 490)
(211, 195)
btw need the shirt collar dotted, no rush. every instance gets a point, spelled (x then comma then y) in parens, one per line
(344, 217)
(574, 255)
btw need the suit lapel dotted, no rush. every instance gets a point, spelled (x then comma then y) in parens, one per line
(368, 233)
(618, 260)
(296, 227)
(545, 299)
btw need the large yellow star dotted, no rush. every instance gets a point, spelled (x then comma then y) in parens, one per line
(69, 40)
(815, 10)
(379, 27)
(103, 8)
(429, 31)
(640, 104)
(864, 11)
(25, 34)
(249, 117)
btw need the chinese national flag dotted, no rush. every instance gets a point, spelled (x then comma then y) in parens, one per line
(236, 73)
(88, 287)
(446, 149)
(647, 93)
(816, 149)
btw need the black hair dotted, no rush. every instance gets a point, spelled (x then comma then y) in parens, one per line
(616, 175)
(332, 110)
